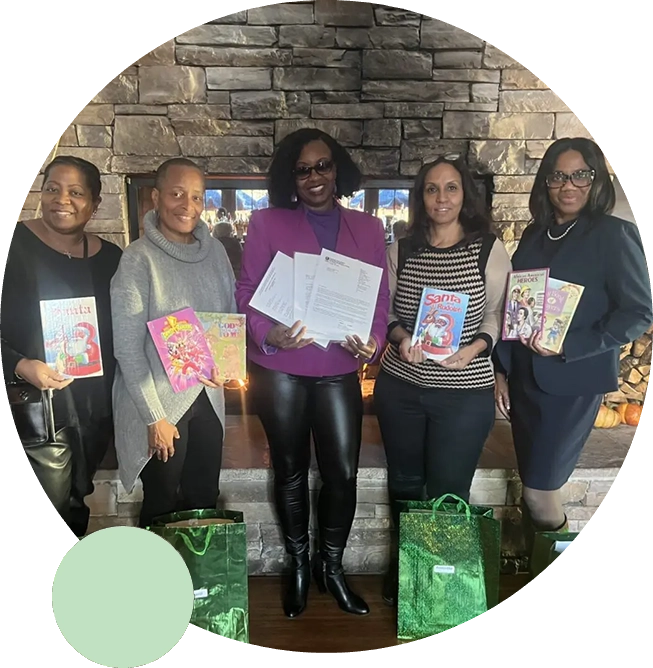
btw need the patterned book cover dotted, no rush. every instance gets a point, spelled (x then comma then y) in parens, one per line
(71, 337)
(226, 335)
(562, 300)
(182, 347)
(525, 306)
(439, 323)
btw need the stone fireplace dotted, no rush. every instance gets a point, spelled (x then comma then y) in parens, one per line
(396, 88)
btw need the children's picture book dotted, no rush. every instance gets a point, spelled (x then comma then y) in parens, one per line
(71, 337)
(181, 344)
(439, 323)
(226, 334)
(525, 303)
(562, 300)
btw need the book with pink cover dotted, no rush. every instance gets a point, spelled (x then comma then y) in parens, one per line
(181, 344)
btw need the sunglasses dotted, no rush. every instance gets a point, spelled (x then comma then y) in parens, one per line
(581, 178)
(322, 168)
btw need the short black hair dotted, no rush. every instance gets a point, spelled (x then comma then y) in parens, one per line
(162, 171)
(474, 220)
(281, 180)
(602, 195)
(90, 172)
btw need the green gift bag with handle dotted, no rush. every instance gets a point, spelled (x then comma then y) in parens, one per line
(449, 564)
(213, 543)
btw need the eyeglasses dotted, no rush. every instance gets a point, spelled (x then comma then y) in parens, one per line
(322, 168)
(581, 178)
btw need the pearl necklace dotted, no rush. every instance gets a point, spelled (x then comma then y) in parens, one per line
(564, 234)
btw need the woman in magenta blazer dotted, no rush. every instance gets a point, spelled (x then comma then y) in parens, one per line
(300, 389)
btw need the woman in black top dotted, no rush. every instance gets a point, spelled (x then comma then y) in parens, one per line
(552, 399)
(52, 257)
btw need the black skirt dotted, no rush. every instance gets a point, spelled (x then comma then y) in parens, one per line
(549, 432)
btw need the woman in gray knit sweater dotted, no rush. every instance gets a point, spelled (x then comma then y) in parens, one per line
(173, 441)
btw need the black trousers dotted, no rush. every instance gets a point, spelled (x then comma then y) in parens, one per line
(190, 479)
(64, 470)
(291, 408)
(433, 438)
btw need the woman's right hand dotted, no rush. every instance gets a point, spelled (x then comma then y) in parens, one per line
(160, 439)
(411, 354)
(40, 375)
(287, 338)
(501, 395)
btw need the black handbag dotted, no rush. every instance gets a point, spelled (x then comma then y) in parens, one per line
(31, 410)
(48, 452)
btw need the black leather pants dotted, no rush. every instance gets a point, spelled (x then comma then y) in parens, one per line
(291, 408)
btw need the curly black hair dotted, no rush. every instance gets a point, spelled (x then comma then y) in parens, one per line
(88, 169)
(282, 191)
(473, 218)
(602, 195)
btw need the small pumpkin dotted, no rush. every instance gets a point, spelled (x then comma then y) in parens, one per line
(629, 413)
(607, 418)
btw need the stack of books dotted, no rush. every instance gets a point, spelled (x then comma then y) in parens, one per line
(537, 302)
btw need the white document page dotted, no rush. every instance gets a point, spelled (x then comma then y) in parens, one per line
(275, 293)
(305, 267)
(344, 297)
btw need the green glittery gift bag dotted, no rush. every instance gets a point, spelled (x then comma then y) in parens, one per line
(449, 562)
(213, 543)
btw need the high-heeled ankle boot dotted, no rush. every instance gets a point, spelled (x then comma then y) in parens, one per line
(330, 576)
(296, 596)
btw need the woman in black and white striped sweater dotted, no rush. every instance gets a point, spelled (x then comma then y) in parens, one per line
(436, 416)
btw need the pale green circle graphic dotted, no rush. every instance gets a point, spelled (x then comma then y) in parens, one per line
(122, 597)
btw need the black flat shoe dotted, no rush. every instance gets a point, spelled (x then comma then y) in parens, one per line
(296, 596)
(331, 578)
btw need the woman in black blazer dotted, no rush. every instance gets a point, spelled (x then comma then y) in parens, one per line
(552, 399)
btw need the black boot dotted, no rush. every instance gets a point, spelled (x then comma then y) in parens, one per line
(299, 581)
(330, 577)
(291, 497)
(390, 591)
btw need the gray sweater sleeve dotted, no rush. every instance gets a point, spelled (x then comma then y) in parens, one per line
(129, 311)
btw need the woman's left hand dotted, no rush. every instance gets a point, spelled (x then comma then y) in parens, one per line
(460, 359)
(215, 382)
(357, 348)
(533, 343)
